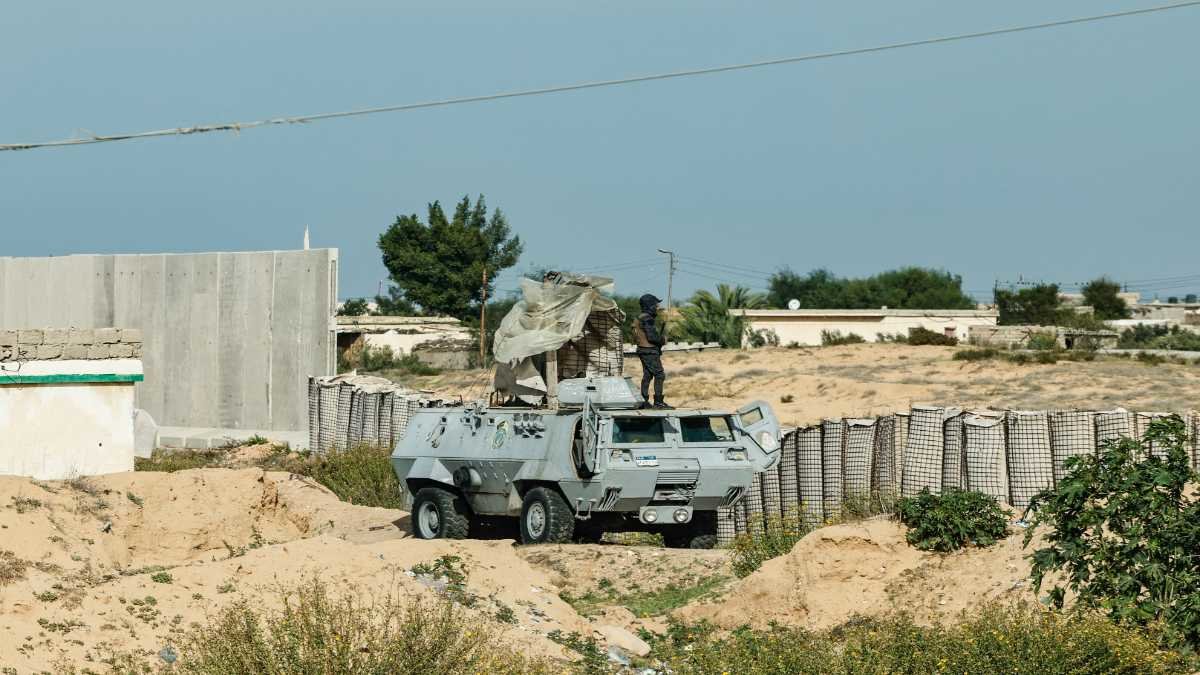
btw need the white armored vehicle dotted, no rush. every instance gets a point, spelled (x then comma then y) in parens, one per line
(577, 457)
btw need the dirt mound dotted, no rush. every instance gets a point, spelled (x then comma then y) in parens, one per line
(127, 561)
(869, 569)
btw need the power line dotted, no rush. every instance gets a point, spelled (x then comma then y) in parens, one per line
(303, 119)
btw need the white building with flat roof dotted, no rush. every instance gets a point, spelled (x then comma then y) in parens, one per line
(804, 326)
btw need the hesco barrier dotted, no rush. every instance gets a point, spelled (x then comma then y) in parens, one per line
(346, 410)
(1009, 455)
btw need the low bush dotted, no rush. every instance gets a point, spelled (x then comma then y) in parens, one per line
(1124, 529)
(976, 354)
(1175, 338)
(317, 633)
(924, 336)
(832, 338)
(777, 537)
(375, 359)
(360, 475)
(1042, 341)
(179, 460)
(952, 520)
(995, 639)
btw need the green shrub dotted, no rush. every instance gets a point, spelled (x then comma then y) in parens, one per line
(317, 633)
(976, 354)
(832, 338)
(775, 538)
(369, 359)
(1150, 358)
(1042, 341)
(1124, 528)
(924, 336)
(179, 460)
(995, 639)
(360, 475)
(1174, 338)
(952, 520)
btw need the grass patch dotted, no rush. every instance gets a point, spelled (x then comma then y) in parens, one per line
(976, 354)
(995, 639)
(360, 475)
(643, 603)
(25, 504)
(12, 568)
(171, 461)
(315, 632)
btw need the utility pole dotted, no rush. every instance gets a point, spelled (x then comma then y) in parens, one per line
(670, 279)
(483, 324)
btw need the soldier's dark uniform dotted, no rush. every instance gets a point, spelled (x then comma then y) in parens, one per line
(649, 350)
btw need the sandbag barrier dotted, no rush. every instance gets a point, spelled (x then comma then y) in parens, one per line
(346, 410)
(1010, 456)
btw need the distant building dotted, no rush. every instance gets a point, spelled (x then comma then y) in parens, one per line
(440, 341)
(804, 326)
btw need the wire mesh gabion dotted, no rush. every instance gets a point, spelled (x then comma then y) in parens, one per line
(754, 506)
(884, 472)
(772, 496)
(1141, 424)
(789, 487)
(809, 474)
(923, 452)
(857, 460)
(1194, 433)
(1030, 462)
(739, 517)
(314, 414)
(903, 421)
(1072, 434)
(1113, 425)
(953, 456)
(726, 527)
(326, 415)
(832, 471)
(987, 464)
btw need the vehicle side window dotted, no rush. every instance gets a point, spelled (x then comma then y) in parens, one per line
(752, 416)
(706, 429)
(638, 430)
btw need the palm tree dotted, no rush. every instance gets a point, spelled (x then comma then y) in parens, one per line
(706, 317)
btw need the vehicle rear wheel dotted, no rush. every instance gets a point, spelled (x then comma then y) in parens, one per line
(700, 533)
(546, 518)
(440, 514)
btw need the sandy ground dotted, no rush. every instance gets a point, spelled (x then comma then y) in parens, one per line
(867, 569)
(807, 384)
(78, 583)
(78, 559)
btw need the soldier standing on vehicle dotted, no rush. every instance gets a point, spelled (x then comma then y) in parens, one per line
(649, 350)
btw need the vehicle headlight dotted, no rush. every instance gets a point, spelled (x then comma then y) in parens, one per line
(681, 515)
(768, 441)
(650, 516)
(736, 454)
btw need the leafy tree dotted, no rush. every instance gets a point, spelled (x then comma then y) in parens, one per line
(353, 307)
(438, 265)
(394, 304)
(1124, 532)
(1102, 295)
(1173, 300)
(1190, 298)
(904, 288)
(706, 317)
(1034, 306)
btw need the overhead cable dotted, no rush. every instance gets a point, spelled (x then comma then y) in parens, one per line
(303, 119)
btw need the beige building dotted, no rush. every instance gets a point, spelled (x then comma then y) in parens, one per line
(804, 326)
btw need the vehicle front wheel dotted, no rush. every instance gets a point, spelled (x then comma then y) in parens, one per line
(440, 514)
(546, 518)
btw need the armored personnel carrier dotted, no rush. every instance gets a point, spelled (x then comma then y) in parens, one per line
(574, 458)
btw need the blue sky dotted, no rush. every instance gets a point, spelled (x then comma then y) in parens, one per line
(1056, 155)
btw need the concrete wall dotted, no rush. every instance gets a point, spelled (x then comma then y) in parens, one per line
(230, 338)
(804, 326)
(66, 418)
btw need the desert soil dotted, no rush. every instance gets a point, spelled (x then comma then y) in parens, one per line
(78, 559)
(807, 384)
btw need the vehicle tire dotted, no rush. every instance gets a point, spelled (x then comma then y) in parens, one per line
(440, 514)
(588, 535)
(699, 534)
(546, 518)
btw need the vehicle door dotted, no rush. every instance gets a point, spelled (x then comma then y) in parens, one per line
(760, 431)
